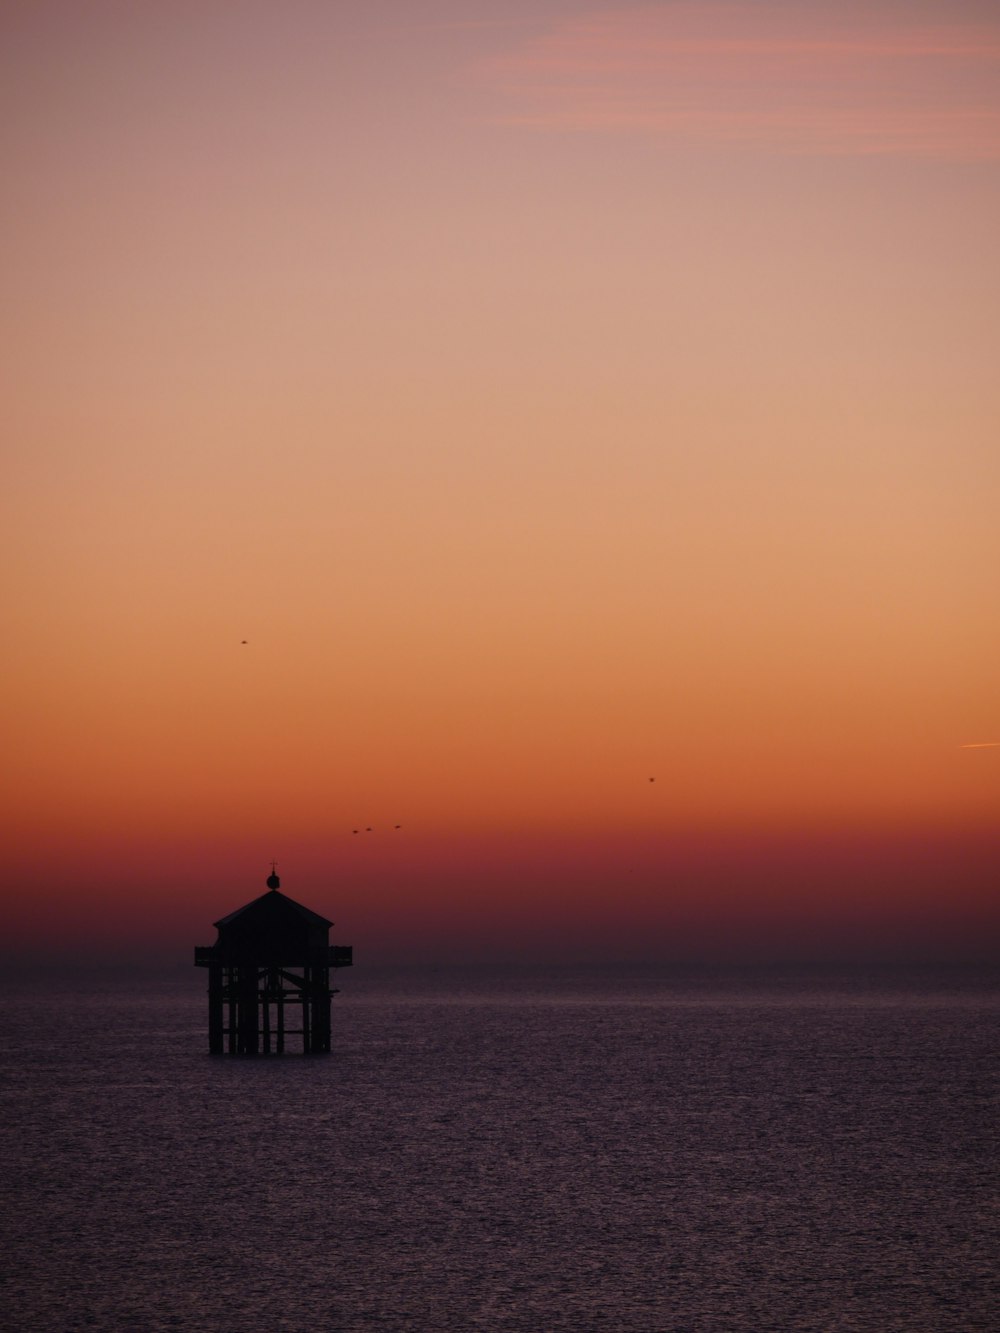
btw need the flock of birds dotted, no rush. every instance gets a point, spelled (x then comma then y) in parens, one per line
(397, 827)
(370, 828)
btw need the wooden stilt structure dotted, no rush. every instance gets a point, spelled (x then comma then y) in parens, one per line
(271, 955)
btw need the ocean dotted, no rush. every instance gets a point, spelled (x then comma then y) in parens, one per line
(610, 1149)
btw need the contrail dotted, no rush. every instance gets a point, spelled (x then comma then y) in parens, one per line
(981, 745)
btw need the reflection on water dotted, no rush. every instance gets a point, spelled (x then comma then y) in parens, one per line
(591, 1151)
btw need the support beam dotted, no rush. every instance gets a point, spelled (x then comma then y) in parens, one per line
(306, 1016)
(215, 1024)
(231, 988)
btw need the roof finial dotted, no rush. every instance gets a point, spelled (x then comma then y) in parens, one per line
(273, 882)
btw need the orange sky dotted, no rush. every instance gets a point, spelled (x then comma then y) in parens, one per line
(553, 396)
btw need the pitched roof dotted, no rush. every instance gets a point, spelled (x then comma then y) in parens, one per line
(271, 909)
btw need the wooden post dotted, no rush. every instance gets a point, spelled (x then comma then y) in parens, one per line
(321, 1009)
(306, 1015)
(215, 1046)
(265, 1012)
(247, 1010)
(231, 987)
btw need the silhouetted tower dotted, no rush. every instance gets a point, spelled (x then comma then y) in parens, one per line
(272, 955)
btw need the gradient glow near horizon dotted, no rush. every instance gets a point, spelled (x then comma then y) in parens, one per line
(553, 397)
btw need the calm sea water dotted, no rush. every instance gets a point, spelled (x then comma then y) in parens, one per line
(618, 1151)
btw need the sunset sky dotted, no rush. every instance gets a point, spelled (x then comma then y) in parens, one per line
(554, 396)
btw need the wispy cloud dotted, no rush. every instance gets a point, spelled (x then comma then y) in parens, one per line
(792, 78)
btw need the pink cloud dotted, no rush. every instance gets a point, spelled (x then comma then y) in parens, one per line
(785, 78)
